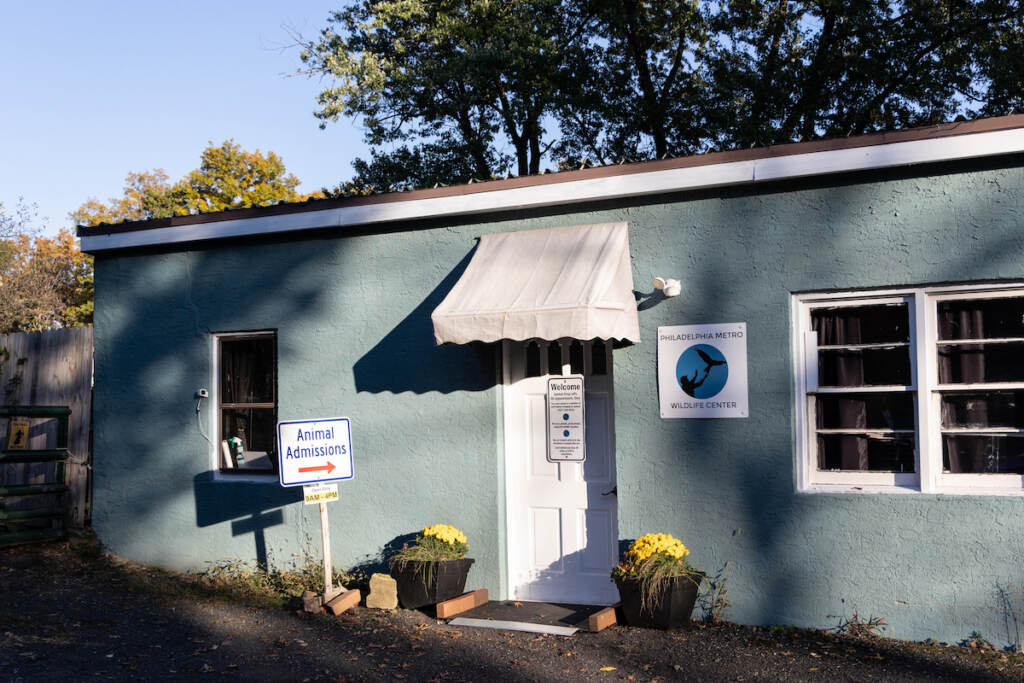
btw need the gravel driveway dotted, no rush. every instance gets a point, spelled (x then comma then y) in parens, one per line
(71, 616)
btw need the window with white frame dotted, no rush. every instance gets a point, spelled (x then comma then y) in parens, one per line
(247, 402)
(915, 390)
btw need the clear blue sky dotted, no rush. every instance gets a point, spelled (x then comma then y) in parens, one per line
(92, 90)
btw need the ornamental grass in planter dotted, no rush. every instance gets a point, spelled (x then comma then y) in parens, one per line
(434, 568)
(657, 586)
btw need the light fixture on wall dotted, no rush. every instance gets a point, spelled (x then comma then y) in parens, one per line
(668, 286)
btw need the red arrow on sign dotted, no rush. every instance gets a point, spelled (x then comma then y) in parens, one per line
(329, 467)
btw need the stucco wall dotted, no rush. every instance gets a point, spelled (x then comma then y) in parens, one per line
(354, 339)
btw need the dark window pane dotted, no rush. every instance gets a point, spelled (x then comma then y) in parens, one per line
(599, 359)
(983, 409)
(247, 370)
(972, 363)
(981, 318)
(875, 324)
(982, 454)
(576, 357)
(865, 411)
(864, 367)
(256, 427)
(868, 453)
(532, 360)
(554, 358)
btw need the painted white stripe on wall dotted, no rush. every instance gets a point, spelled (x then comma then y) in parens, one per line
(615, 187)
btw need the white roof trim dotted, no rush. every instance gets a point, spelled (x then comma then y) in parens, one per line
(888, 155)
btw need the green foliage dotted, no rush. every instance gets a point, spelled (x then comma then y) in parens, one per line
(274, 587)
(654, 573)
(641, 90)
(859, 627)
(478, 77)
(424, 165)
(976, 641)
(46, 282)
(486, 86)
(228, 177)
(430, 549)
(715, 600)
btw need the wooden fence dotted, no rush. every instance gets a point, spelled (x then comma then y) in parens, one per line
(49, 369)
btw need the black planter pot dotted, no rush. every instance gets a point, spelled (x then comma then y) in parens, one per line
(672, 609)
(446, 580)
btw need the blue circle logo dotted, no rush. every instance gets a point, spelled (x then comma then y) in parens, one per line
(565, 433)
(565, 416)
(702, 371)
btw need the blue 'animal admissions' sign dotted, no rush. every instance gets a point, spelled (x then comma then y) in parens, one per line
(314, 451)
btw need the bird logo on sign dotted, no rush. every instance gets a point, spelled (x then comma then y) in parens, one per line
(702, 371)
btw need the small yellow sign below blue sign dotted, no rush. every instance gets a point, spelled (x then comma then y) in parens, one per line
(322, 493)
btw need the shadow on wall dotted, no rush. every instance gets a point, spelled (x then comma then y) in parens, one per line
(372, 564)
(407, 359)
(250, 507)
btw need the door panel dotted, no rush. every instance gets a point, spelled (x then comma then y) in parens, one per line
(562, 527)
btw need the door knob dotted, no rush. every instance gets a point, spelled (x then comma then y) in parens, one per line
(613, 492)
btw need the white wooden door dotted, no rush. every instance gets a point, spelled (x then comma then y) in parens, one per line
(562, 517)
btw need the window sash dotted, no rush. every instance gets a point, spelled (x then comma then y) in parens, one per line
(224, 408)
(925, 347)
(816, 475)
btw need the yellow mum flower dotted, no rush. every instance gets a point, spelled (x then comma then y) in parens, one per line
(651, 544)
(446, 533)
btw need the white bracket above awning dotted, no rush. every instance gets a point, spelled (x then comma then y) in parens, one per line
(554, 283)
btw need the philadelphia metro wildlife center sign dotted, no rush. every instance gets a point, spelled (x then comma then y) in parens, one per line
(702, 370)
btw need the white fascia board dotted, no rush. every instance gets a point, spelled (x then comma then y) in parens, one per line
(948, 148)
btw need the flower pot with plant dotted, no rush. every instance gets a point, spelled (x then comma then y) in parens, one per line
(433, 569)
(657, 586)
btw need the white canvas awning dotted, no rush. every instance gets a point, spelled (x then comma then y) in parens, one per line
(571, 282)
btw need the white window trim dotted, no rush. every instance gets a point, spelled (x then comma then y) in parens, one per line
(929, 478)
(213, 411)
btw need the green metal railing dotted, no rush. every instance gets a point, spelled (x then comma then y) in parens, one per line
(13, 520)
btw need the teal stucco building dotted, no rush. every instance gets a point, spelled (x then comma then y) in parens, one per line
(875, 286)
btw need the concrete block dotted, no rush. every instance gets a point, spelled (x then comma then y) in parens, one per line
(383, 592)
(311, 602)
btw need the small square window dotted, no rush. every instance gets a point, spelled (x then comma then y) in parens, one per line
(247, 402)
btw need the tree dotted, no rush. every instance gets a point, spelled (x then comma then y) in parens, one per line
(470, 81)
(228, 177)
(639, 92)
(145, 196)
(70, 273)
(45, 282)
(449, 86)
(784, 70)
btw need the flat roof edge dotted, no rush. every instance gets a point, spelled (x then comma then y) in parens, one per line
(643, 179)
